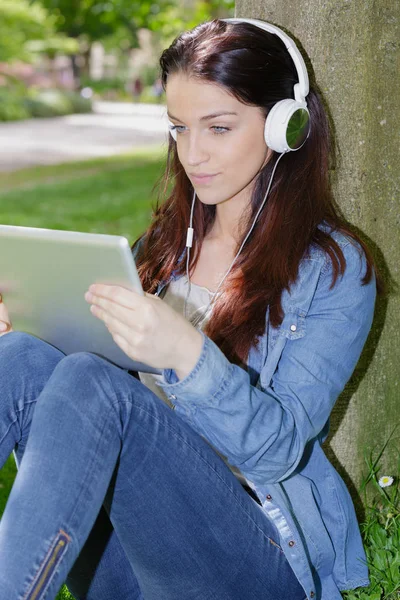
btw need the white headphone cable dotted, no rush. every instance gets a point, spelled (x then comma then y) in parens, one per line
(189, 241)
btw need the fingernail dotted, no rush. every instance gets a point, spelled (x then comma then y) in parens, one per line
(3, 326)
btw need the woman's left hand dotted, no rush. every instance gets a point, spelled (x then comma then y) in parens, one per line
(146, 328)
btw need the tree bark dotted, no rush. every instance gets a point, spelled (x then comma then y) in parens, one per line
(354, 49)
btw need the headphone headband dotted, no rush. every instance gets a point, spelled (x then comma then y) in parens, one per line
(287, 125)
(302, 88)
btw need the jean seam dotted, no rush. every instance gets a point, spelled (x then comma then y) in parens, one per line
(89, 471)
(16, 413)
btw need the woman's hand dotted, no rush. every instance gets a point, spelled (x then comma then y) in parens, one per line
(146, 328)
(5, 323)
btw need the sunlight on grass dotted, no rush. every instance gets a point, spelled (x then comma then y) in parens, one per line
(111, 195)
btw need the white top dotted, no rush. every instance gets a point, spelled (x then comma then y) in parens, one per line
(196, 304)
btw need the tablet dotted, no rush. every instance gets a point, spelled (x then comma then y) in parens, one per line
(44, 274)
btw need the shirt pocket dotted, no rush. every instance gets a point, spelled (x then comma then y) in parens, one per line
(293, 325)
(292, 328)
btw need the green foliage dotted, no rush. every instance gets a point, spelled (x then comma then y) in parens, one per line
(16, 102)
(27, 30)
(53, 101)
(77, 102)
(173, 20)
(96, 19)
(381, 535)
(56, 103)
(116, 89)
(101, 86)
(64, 594)
(52, 46)
(12, 106)
(20, 23)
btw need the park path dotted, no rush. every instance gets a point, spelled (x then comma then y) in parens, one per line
(112, 128)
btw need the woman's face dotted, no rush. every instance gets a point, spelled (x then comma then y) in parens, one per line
(229, 148)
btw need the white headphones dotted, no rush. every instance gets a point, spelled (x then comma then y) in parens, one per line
(287, 125)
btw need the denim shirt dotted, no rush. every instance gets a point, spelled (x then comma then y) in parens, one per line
(271, 419)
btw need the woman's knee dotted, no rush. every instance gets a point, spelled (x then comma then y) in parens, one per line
(83, 367)
(26, 360)
(16, 341)
(25, 348)
(94, 387)
(26, 363)
(82, 378)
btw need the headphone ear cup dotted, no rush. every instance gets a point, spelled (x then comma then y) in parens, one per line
(287, 125)
(172, 131)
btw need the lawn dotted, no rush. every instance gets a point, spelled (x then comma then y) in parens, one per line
(111, 195)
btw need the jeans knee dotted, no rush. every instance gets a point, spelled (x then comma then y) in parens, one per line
(81, 394)
(17, 341)
(83, 375)
(83, 364)
(26, 363)
(23, 355)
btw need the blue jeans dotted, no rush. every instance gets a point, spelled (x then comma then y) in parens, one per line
(117, 496)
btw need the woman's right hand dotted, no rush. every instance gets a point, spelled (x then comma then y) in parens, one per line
(5, 323)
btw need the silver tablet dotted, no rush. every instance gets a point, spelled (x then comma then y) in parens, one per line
(44, 274)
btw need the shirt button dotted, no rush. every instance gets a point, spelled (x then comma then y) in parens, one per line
(293, 328)
(269, 497)
(172, 397)
(291, 543)
(312, 594)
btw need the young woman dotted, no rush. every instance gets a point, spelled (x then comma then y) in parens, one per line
(208, 481)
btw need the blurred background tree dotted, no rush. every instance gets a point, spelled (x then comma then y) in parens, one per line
(21, 23)
(116, 23)
(102, 49)
(25, 31)
(96, 20)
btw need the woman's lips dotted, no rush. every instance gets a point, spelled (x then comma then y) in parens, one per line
(203, 179)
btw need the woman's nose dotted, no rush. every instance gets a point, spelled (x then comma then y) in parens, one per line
(197, 151)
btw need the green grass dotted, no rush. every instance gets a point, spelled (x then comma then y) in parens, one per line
(380, 531)
(111, 195)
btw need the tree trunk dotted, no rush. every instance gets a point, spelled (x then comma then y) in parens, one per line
(86, 55)
(354, 49)
(76, 70)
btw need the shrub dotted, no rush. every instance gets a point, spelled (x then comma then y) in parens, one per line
(56, 103)
(12, 106)
(78, 102)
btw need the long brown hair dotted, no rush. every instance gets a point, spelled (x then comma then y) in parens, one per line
(256, 68)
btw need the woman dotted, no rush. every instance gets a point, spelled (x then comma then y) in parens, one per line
(228, 496)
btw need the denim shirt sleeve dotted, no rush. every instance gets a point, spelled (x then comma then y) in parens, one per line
(264, 431)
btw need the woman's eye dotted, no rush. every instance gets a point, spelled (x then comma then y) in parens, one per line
(177, 128)
(218, 130)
